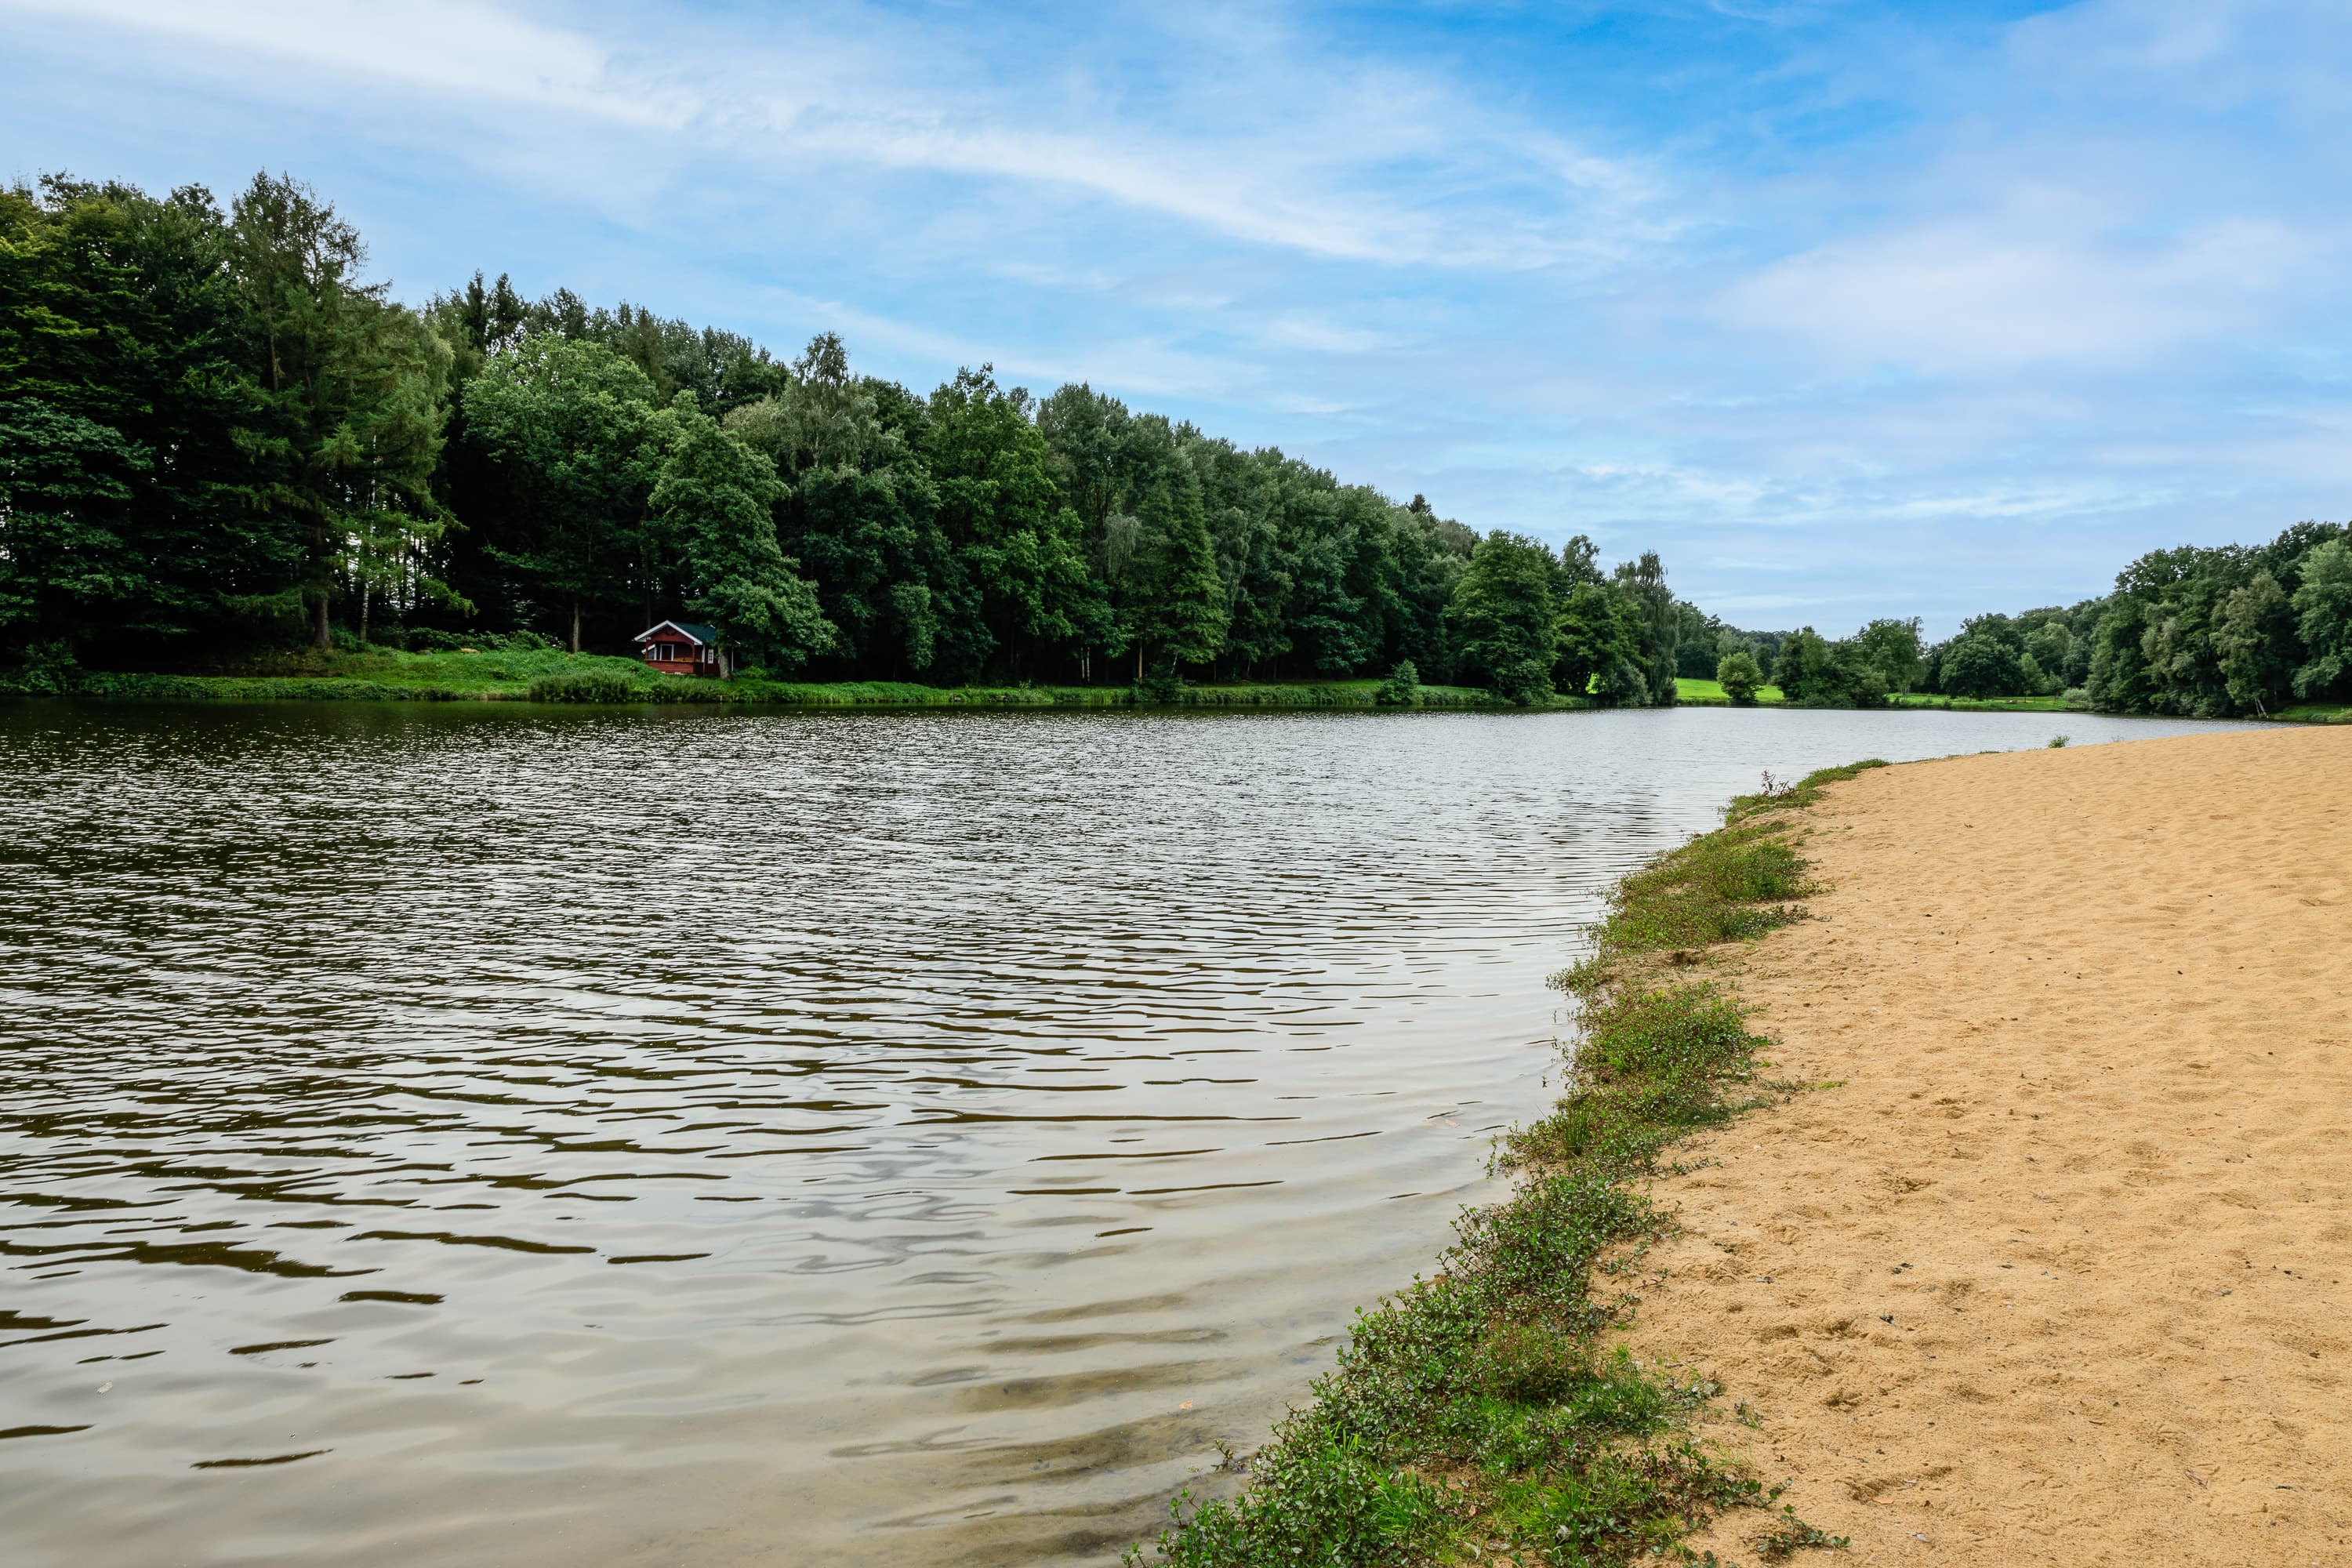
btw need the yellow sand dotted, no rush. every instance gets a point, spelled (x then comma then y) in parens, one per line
(2060, 1273)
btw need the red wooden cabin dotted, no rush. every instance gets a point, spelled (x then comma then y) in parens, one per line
(677, 647)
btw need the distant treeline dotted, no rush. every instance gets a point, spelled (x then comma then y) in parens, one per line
(2207, 633)
(217, 436)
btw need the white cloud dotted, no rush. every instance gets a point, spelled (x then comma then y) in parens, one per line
(1372, 163)
(2017, 291)
(442, 47)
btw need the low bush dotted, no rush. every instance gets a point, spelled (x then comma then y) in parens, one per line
(1401, 689)
(1158, 690)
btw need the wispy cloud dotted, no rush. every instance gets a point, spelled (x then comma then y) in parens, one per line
(442, 47)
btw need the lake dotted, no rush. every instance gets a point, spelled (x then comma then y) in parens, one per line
(480, 1133)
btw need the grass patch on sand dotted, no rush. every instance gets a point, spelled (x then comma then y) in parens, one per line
(1479, 1412)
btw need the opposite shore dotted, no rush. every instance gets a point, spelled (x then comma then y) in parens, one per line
(379, 675)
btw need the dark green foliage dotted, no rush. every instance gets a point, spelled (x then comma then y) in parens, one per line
(2207, 633)
(714, 506)
(1532, 1364)
(1813, 672)
(1893, 649)
(1503, 616)
(1476, 1407)
(1982, 665)
(1599, 649)
(219, 437)
(571, 430)
(1659, 624)
(133, 432)
(2323, 608)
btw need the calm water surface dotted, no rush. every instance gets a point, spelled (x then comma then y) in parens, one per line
(480, 1134)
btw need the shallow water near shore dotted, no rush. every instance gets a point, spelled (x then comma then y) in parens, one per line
(503, 1135)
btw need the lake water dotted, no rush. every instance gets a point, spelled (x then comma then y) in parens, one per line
(489, 1134)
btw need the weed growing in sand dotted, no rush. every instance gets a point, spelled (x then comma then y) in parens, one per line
(1777, 797)
(2057, 742)
(1789, 1535)
(1477, 1411)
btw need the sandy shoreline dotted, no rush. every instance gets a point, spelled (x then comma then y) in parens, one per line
(2060, 1273)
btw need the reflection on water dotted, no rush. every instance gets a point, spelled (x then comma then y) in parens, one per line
(482, 1134)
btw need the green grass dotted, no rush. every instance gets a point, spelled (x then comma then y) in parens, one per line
(549, 674)
(1482, 1410)
(2313, 713)
(1710, 694)
(1979, 704)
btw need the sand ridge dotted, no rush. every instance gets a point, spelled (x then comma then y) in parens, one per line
(2060, 1272)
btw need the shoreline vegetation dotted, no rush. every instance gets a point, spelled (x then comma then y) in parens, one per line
(1483, 1413)
(551, 675)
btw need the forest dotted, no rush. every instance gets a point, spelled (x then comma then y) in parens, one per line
(219, 438)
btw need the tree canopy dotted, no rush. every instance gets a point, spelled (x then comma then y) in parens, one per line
(218, 435)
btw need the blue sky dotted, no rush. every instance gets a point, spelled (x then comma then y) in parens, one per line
(1847, 308)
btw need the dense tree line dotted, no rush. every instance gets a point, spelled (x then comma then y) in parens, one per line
(2223, 632)
(217, 436)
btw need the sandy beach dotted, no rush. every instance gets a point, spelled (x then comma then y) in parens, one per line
(2056, 1268)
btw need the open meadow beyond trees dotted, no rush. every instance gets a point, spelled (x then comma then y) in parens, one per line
(2053, 1266)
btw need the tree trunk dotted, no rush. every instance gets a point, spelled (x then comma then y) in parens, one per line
(325, 638)
(363, 614)
(1138, 661)
(576, 626)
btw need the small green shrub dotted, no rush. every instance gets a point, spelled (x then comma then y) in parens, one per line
(1402, 688)
(47, 668)
(1789, 1535)
(1531, 1363)
(1740, 675)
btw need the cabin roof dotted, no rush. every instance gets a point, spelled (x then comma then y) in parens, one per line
(703, 635)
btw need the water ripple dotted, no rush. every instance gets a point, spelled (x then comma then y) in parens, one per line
(856, 1138)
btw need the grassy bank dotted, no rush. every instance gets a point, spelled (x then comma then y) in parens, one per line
(523, 675)
(1710, 694)
(1480, 1411)
(2313, 713)
(540, 674)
